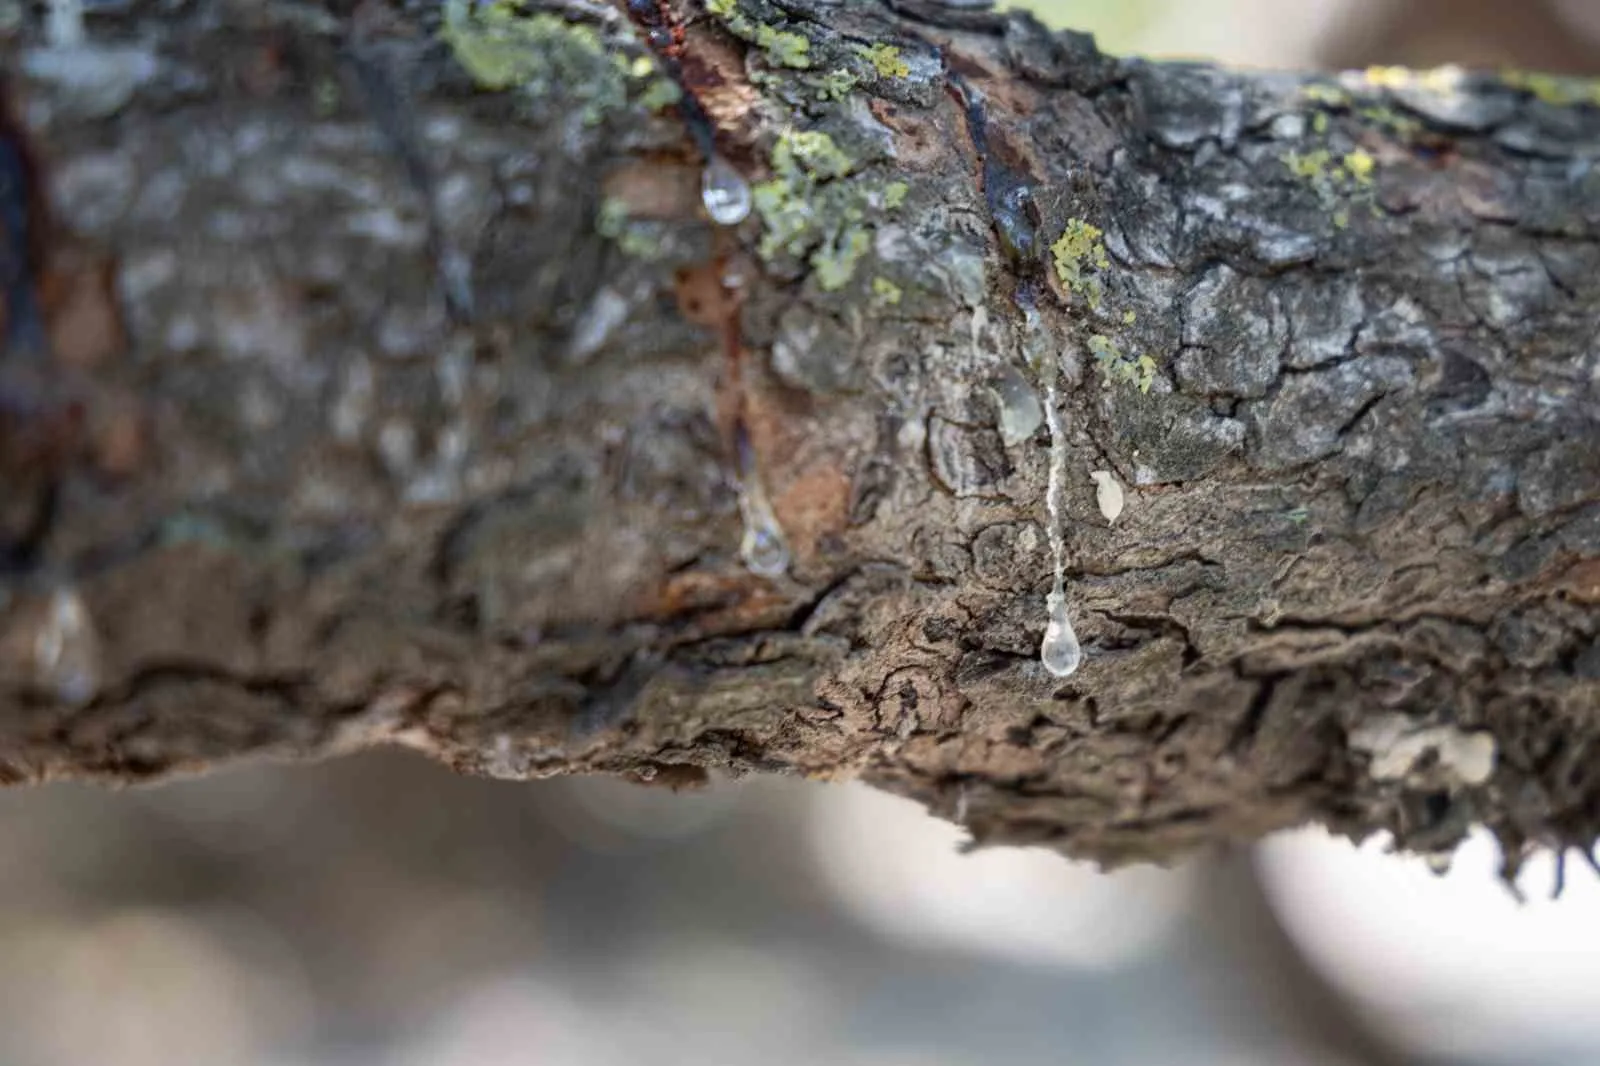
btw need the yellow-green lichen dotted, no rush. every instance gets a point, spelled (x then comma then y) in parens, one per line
(885, 292)
(1311, 166)
(835, 262)
(502, 45)
(1436, 80)
(1359, 164)
(1119, 367)
(1325, 95)
(786, 216)
(782, 47)
(637, 239)
(1077, 251)
(885, 59)
(1554, 89)
(1405, 127)
(816, 208)
(659, 91)
(1337, 182)
(894, 194)
(809, 153)
(1388, 77)
(1326, 99)
(835, 85)
(659, 94)
(1079, 255)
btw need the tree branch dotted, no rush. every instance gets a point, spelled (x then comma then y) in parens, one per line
(396, 388)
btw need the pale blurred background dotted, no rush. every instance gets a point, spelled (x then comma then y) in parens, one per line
(380, 910)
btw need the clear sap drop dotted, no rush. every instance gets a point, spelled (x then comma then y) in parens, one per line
(764, 551)
(725, 193)
(1020, 412)
(64, 25)
(1059, 651)
(66, 649)
(763, 548)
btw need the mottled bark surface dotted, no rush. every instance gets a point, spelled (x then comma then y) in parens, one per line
(393, 387)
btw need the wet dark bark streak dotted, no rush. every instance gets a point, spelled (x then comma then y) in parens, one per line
(363, 508)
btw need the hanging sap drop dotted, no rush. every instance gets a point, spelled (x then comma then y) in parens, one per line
(66, 649)
(725, 193)
(764, 551)
(1060, 650)
(763, 548)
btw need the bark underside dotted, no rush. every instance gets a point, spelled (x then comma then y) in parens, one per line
(378, 405)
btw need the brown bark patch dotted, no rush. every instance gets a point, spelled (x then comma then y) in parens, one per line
(1582, 582)
(78, 296)
(654, 189)
(713, 70)
(812, 507)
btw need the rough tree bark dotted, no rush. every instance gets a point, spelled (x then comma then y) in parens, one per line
(394, 387)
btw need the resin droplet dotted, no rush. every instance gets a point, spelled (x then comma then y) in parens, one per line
(1059, 651)
(1020, 412)
(64, 24)
(1056, 482)
(1108, 494)
(762, 548)
(725, 193)
(66, 649)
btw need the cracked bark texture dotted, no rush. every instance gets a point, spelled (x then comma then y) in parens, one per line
(380, 407)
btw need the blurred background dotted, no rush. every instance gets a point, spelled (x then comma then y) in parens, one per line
(382, 910)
